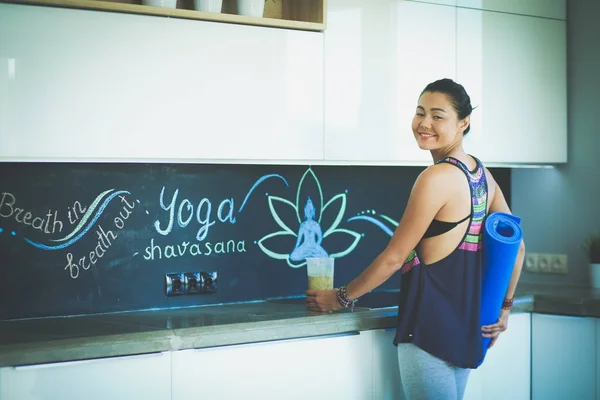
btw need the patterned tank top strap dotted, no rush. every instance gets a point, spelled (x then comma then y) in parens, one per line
(476, 177)
(457, 163)
(411, 261)
(479, 196)
(478, 186)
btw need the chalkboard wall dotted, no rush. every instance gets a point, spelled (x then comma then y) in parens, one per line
(78, 238)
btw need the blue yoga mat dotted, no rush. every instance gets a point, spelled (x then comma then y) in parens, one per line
(501, 240)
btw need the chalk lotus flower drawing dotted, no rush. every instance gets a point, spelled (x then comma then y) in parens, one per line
(315, 232)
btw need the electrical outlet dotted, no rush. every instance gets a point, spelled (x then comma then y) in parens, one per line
(174, 284)
(209, 282)
(531, 262)
(559, 263)
(546, 263)
(192, 282)
(179, 283)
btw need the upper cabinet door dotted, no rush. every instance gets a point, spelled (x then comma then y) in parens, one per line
(514, 68)
(539, 8)
(83, 84)
(378, 58)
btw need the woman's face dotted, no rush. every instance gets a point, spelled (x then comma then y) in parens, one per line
(436, 124)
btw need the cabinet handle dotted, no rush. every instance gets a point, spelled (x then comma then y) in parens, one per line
(316, 337)
(59, 364)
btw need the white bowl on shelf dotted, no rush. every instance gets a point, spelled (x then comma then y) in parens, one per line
(214, 6)
(160, 3)
(252, 8)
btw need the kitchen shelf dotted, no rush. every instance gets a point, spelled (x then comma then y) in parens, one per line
(306, 15)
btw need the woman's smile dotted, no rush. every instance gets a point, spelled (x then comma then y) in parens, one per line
(425, 135)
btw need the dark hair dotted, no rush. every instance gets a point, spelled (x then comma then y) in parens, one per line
(456, 94)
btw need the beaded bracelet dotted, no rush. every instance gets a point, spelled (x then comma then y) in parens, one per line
(343, 299)
(507, 303)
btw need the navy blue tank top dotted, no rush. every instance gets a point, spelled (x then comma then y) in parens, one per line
(440, 303)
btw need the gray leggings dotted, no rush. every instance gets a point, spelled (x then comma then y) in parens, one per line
(426, 377)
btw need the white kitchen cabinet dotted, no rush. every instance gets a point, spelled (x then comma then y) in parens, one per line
(563, 357)
(87, 85)
(119, 378)
(540, 8)
(316, 368)
(386, 374)
(378, 59)
(474, 389)
(514, 68)
(509, 360)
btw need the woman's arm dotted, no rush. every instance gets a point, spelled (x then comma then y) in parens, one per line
(427, 197)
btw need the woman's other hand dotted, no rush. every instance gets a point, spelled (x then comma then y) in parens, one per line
(493, 331)
(322, 300)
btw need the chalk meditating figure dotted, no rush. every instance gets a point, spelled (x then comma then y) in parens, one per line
(310, 236)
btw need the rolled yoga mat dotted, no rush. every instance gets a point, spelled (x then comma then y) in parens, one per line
(501, 240)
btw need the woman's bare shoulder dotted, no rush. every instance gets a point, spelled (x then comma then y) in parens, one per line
(438, 182)
(442, 174)
(489, 177)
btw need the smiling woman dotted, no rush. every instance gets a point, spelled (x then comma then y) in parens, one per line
(442, 120)
(439, 336)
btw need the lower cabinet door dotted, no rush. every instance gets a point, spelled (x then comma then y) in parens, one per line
(506, 370)
(386, 375)
(564, 357)
(326, 367)
(474, 390)
(119, 378)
